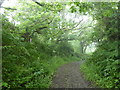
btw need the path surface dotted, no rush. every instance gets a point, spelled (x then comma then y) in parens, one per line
(69, 76)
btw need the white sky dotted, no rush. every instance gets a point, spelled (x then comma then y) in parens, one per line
(9, 3)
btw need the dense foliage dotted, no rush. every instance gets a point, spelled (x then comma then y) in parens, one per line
(40, 38)
(104, 64)
(31, 51)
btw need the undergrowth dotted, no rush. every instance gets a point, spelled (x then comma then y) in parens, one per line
(30, 68)
(31, 64)
(102, 67)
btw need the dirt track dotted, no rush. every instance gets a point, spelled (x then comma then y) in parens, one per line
(69, 76)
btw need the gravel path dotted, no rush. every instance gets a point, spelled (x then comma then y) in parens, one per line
(69, 76)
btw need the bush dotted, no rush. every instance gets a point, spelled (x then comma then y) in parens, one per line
(103, 66)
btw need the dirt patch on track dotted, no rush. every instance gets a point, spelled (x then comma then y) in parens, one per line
(69, 76)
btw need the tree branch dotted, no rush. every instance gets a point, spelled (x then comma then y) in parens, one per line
(38, 3)
(65, 39)
(8, 8)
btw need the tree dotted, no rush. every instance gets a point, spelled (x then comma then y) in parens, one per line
(105, 34)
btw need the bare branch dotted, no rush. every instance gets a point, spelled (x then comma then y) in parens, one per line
(66, 39)
(8, 8)
(73, 26)
(37, 3)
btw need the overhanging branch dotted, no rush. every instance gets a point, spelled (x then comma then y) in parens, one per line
(66, 39)
(8, 8)
(38, 3)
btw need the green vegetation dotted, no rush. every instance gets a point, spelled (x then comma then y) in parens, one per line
(33, 49)
(103, 64)
(39, 37)
(30, 64)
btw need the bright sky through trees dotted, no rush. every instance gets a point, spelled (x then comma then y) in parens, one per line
(76, 17)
